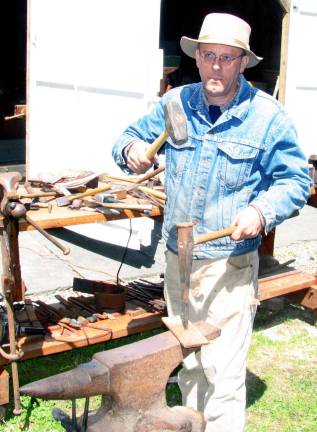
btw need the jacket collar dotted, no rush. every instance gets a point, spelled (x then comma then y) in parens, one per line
(238, 107)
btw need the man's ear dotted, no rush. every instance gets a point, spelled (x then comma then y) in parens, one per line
(197, 57)
(244, 63)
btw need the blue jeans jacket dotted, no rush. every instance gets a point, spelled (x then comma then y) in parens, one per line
(249, 155)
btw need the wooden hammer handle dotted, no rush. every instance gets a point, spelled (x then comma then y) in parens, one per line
(156, 145)
(214, 235)
(89, 192)
(126, 206)
(153, 192)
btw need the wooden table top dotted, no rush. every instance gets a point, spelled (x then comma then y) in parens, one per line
(64, 216)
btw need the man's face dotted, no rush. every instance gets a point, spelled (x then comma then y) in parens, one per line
(220, 78)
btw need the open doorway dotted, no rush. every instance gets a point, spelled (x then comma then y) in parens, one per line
(185, 18)
(12, 81)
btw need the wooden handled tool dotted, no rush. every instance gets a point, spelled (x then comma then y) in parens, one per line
(180, 326)
(214, 235)
(49, 237)
(175, 127)
(66, 200)
(119, 205)
(185, 250)
(156, 145)
(133, 179)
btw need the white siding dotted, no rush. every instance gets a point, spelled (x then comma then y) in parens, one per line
(301, 90)
(94, 66)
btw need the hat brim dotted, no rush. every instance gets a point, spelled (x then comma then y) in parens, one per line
(189, 47)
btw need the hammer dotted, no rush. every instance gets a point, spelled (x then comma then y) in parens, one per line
(133, 379)
(66, 200)
(175, 127)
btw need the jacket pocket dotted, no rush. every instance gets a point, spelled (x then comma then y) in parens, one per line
(235, 161)
(179, 157)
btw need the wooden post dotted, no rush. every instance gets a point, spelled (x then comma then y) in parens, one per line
(284, 50)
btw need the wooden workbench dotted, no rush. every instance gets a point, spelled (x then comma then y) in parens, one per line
(129, 322)
(63, 216)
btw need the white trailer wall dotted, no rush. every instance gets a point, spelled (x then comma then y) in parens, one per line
(301, 84)
(93, 67)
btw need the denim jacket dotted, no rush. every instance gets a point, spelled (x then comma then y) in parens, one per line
(249, 155)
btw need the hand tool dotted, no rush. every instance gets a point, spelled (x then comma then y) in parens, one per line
(154, 192)
(75, 310)
(83, 321)
(214, 235)
(79, 301)
(66, 200)
(20, 330)
(181, 327)
(49, 237)
(132, 380)
(12, 284)
(175, 127)
(105, 211)
(119, 206)
(141, 179)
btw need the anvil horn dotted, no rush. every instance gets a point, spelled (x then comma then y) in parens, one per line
(88, 379)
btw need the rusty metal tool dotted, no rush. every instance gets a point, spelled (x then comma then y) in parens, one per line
(175, 127)
(131, 401)
(83, 321)
(81, 303)
(12, 284)
(66, 200)
(180, 325)
(185, 247)
(48, 236)
(75, 310)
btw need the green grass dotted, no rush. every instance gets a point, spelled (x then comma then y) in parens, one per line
(281, 379)
(282, 375)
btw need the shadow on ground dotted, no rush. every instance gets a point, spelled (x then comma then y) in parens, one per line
(267, 318)
(145, 257)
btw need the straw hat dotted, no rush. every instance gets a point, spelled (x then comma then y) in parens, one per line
(224, 29)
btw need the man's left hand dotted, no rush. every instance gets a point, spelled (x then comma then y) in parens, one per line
(247, 224)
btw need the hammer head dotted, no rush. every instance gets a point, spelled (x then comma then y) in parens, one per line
(175, 122)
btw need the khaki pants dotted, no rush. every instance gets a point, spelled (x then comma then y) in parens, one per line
(223, 294)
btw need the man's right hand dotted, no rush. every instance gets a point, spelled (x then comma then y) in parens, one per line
(136, 157)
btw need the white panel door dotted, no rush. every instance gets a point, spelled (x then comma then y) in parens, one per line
(94, 66)
(301, 89)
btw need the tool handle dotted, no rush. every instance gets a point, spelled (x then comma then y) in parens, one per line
(156, 145)
(153, 192)
(137, 180)
(214, 235)
(49, 237)
(126, 206)
(38, 194)
(89, 192)
(150, 174)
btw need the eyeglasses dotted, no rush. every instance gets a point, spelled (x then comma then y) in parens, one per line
(224, 59)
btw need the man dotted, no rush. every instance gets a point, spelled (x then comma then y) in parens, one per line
(241, 165)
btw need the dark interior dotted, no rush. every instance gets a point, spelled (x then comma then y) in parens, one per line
(13, 54)
(179, 18)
